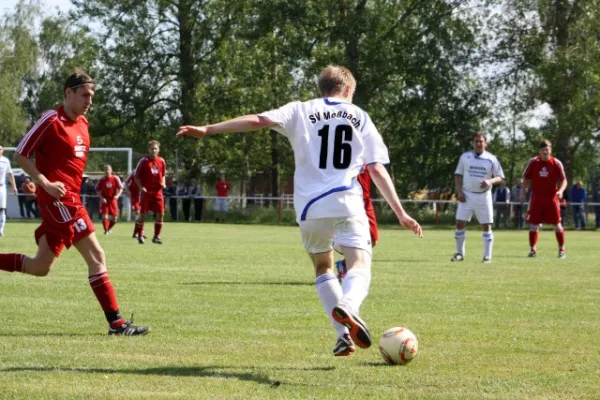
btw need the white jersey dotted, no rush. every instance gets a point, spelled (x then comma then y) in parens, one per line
(332, 140)
(4, 170)
(475, 168)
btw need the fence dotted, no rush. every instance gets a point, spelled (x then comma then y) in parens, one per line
(280, 210)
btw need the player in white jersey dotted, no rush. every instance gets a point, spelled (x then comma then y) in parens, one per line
(477, 171)
(332, 139)
(5, 171)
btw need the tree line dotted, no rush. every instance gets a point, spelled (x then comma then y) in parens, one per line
(430, 74)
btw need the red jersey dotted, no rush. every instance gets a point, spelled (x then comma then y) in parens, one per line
(60, 146)
(364, 178)
(222, 188)
(132, 186)
(109, 186)
(151, 172)
(544, 176)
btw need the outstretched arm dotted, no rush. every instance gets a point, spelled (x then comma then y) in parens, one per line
(247, 123)
(384, 183)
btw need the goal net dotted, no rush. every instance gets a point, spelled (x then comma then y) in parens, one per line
(121, 160)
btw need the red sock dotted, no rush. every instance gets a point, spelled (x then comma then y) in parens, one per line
(157, 229)
(139, 228)
(111, 224)
(560, 238)
(105, 224)
(533, 238)
(12, 262)
(105, 293)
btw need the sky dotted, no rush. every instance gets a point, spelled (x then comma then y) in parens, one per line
(49, 5)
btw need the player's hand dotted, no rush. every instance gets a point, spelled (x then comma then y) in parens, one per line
(460, 197)
(409, 223)
(193, 131)
(104, 201)
(15, 191)
(484, 184)
(56, 189)
(522, 197)
(559, 194)
(144, 190)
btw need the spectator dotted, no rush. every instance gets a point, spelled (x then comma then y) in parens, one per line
(93, 202)
(196, 192)
(221, 202)
(184, 194)
(171, 193)
(501, 200)
(518, 206)
(578, 199)
(28, 189)
(19, 181)
(597, 206)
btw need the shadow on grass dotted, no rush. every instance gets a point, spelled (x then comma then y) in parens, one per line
(206, 372)
(306, 283)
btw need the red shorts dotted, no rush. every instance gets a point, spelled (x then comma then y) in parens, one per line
(152, 202)
(373, 226)
(109, 208)
(63, 222)
(543, 210)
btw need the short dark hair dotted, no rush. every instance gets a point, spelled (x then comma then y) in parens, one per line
(77, 79)
(479, 134)
(545, 143)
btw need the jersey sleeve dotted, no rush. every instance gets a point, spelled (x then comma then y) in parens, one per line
(460, 167)
(527, 173)
(164, 168)
(139, 169)
(560, 170)
(37, 134)
(497, 168)
(284, 117)
(376, 152)
(119, 183)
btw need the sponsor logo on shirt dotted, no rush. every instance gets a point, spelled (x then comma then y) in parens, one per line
(155, 170)
(544, 172)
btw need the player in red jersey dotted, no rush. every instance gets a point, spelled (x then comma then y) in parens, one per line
(221, 202)
(60, 142)
(134, 198)
(546, 176)
(109, 189)
(364, 178)
(150, 178)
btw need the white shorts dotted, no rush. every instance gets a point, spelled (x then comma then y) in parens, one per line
(319, 234)
(221, 204)
(3, 197)
(478, 203)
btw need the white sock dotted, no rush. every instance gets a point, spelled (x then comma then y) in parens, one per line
(2, 220)
(330, 293)
(461, 237)
(488, 243)
(356, 287)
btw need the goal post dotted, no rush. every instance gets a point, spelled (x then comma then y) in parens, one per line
(124, 165)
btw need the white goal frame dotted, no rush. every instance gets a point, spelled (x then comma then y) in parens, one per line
(127, 150)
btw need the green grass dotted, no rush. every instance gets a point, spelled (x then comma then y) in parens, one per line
(235, 315)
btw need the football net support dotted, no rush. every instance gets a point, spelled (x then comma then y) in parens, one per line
(122, 167)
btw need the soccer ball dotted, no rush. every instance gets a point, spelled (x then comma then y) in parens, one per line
(398, 346)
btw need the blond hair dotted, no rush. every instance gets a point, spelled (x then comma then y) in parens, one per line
(153, 142)
(335, 79)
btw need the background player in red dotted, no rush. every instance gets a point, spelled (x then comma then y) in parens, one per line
(150, 178)
(134, 198)
(364, 178)
(109, 189)
(221, 202)
(60, 142)
(546, 176)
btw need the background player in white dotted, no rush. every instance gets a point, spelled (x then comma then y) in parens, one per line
(332, 139)
(477, 171)
(5, 171)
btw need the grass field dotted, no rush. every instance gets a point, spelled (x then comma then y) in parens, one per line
(234, 314)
